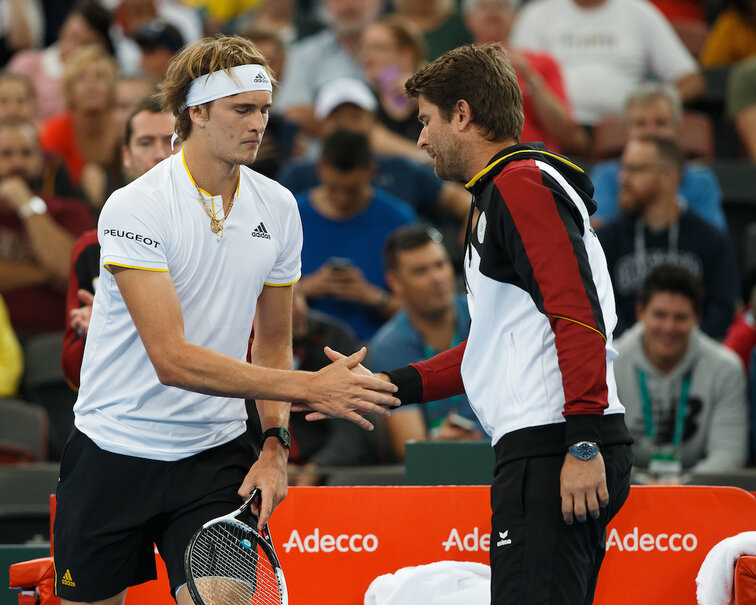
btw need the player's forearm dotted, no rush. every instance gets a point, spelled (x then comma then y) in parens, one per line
(203, 370)
(278, 356)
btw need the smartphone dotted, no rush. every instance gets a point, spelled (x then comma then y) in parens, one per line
(340, 263)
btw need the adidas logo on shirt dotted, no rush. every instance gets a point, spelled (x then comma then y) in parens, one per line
(260, 79)
(261, 231)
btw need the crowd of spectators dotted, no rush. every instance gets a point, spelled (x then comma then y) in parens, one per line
(381, 263)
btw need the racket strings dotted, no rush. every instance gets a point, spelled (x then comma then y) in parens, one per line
(230, 567)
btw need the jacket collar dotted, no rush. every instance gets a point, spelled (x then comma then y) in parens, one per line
(521, 151)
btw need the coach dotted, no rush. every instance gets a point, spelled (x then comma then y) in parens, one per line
(537, 365)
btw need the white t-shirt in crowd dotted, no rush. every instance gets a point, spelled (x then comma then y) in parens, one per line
(157, 223)
(605, 51)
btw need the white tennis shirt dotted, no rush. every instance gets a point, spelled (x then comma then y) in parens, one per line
(157, 223)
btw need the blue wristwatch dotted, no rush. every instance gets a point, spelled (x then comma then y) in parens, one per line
(584, 450)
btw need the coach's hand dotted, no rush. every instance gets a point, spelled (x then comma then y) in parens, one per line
(268, 474)
(345, 389)
(583, 488)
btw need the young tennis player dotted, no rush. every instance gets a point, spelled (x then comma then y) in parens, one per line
(192, 252)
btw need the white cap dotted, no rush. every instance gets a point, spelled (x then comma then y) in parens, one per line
(340, 91)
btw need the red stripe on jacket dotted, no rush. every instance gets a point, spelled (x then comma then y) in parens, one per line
(580, 348)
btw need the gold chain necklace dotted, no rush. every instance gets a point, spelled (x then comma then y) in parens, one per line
(216, 225)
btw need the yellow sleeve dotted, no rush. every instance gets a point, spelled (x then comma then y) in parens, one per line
(11, 359)
(721, 44)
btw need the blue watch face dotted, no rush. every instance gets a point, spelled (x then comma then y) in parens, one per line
(585, 450)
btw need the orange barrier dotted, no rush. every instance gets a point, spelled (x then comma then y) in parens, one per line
(35, 579)
(332, 541)
(745, 581)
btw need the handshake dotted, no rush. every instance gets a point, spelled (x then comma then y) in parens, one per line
(347, 389)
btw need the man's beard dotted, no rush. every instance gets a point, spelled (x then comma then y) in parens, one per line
(629, 203)
(451, 168)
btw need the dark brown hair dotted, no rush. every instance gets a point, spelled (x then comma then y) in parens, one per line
(482, 76)
(150, 104)
(672, 279)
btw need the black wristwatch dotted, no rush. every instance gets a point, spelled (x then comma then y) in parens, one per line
(584, 450)
(281, 432)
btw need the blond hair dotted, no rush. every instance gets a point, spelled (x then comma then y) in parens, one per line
(79, 60)
(204, 57)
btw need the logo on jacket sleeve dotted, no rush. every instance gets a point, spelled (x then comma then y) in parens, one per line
(482, 227)
(261, 231)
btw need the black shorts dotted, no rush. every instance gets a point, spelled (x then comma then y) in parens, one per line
(112, 510)
(536, 558)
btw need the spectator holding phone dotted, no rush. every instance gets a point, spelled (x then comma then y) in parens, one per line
(434, 318)
(392, 49)
(345, 222)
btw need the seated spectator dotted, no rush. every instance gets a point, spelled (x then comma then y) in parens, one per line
(438, 20)
(88, 23)
(331, 442)
(392, 49)
(18, 103)
(547, 109)
(654, 110)
(349, 105)
(147, 142)
(159, 42)
(86, 135)
(684, 393)
(741, 104)
(732, 37)
(18, 100)
(129, 90)
(606, 49)
(314, 61)
(433, 319)
(37, 234)
(342, 103)
(11, 357)
(654, 229)
(345, 221)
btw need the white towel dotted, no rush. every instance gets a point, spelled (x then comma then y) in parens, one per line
(440, 583)
(715, 578)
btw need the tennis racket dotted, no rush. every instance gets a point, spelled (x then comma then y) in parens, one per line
(227, 562)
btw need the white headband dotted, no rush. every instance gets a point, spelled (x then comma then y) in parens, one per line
(219, 84)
